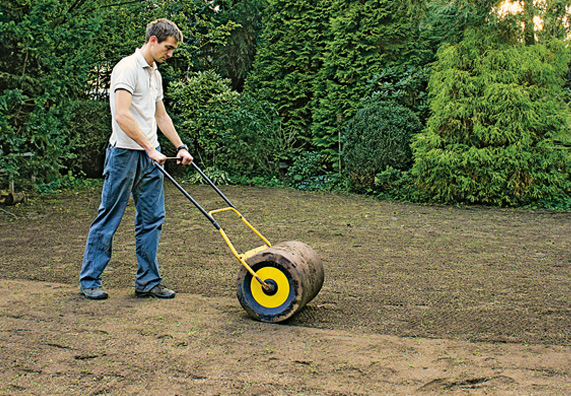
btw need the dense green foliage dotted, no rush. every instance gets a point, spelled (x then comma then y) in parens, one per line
(446, 20)
(316, 58)
(197, 101)
(262, 88)
(495, 110)
(405, 86)
(254, 143)
(229, 131)
(378, 137)
(44, 67)
(234, 59)
(57, 57)
(289, 58)
(364, 38)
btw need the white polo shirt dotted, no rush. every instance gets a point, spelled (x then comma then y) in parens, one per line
(145, 84)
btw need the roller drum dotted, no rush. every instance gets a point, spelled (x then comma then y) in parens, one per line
(293, 269)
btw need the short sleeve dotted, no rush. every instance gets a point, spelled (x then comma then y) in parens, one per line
(125, 77)
(159, 87)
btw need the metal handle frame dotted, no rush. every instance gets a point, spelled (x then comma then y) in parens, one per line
(209, 215)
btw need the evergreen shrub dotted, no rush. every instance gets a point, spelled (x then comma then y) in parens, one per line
(196, 103)
(232, 132)
(307, 171)
(377, 137)
(404, 85)
(254, 141)
(496, 112)
(91, 125)
(396, 184)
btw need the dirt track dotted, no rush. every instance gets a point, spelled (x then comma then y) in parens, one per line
(416, 300)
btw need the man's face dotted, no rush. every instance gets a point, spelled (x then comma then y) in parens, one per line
(163, 50)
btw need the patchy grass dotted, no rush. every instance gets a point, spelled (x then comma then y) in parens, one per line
(416, 299)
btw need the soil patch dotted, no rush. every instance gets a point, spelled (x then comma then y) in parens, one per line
(417, 300)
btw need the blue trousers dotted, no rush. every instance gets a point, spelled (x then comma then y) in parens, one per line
(127, 172)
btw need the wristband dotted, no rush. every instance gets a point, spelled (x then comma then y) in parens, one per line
(183, 147)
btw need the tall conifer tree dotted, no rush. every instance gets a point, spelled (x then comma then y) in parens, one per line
(316, 57)
(364, 38)
(289, 59)
(496, 111)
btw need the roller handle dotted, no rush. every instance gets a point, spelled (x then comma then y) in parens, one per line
(186, 194)
(205, 178)
(266, 286)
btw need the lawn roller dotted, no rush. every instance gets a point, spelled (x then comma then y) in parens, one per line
(274, 282)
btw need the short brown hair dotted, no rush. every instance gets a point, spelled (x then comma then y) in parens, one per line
(162, 29)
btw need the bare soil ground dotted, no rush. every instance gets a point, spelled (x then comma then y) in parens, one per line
(417, 300)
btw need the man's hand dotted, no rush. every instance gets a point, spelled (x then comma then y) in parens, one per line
(156, 156)
(185, 156)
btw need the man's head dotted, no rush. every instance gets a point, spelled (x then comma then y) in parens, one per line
(162, 29)
(162, 38)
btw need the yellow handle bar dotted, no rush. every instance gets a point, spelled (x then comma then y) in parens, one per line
(244, 256)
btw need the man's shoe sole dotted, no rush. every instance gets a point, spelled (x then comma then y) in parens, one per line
(96, 297)
(148, 294)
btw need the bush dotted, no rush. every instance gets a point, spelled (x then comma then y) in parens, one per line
(227, 130)
(496, 114)
(397, 185)
(216, 176)
(196, 102)
(46, 68)
(254, 142)
(91, 126)
(307, 171)
(376, 138)
(405, 86)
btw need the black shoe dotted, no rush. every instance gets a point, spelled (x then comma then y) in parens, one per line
(94, 293)
(158, 291)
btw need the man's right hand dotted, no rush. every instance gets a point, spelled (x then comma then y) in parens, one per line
(156, 156)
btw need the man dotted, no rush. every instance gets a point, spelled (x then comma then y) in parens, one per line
(137, 108)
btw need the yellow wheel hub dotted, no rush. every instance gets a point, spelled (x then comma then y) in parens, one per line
(265, 300)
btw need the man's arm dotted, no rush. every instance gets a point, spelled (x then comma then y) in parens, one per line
(166, 126)
(129, 125)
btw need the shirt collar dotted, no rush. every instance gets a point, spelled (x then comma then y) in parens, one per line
(141, 61)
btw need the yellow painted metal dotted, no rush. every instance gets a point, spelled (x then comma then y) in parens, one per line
(250, 226)
(250, 253)
(280, 297)
(244, 256)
